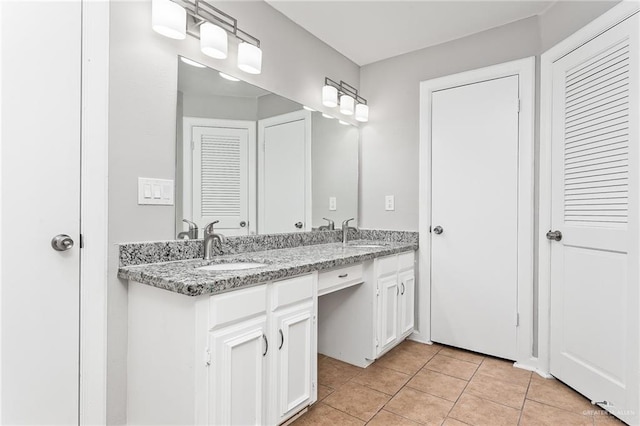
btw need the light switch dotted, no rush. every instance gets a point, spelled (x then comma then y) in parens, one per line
(155, 191)
(332, 203)
(389, 203)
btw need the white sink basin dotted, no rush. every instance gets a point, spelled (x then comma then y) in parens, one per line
(235, 266)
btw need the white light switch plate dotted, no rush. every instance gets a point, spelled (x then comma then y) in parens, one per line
(389, 203)
(332, 203)
(157, 192)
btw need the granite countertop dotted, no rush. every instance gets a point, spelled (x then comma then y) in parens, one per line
(183, 277)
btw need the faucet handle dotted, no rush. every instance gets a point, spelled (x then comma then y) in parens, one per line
(346, 222)
(209, 228)
(192, 225)
(330, 224)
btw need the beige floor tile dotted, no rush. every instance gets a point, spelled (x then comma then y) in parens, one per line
(387, 418)
(535, 414)
(323, 392)
(357, 400)
(453, 422)
(403, 360)
(334, 373)
(559, 395)
(382, 379)
(504, 370)
(323, 415)
(452, 367)
(461, 354)
(497, 390)
(438, 384)
(419, 406)
(476, 411)
(420, 349)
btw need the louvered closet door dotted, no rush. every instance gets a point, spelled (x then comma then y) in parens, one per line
(594, 268)
(220, 177)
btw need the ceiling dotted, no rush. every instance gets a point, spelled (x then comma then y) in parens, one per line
(367, 31)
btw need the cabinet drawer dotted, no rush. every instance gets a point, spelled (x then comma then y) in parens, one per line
(337, 279)
(237, 305)
(291, 290)
(406, 261)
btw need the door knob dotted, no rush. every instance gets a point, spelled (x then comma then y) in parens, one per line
(243, 224)
(298, 225)
(554, 235)
(62, 242)
(438, 230)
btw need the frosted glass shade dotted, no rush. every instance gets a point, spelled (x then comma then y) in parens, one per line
(213, 41)
(329, 96)
(249, 58)
(169, 19)
(347, 104)
(362, 113)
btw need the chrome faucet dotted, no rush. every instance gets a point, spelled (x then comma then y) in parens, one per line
(345, 230)
(212, 241)
(330, 226)
(192, 233)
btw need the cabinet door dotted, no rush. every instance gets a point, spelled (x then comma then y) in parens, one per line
(295, 337)
(406, 301)
(388, 318)
(238, 373)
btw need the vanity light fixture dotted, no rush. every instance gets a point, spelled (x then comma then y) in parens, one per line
(330, 117)
(192, 62)
(344, 123)
(350, 100)
(228, 77)
(198, 18)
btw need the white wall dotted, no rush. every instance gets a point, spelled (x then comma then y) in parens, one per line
(142, 127)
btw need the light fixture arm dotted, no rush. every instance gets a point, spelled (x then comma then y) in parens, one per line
(201, 11)
(345, 89)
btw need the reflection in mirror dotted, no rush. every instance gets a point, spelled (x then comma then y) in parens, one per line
(257, 162)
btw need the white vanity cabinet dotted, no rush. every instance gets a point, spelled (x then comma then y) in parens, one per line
(395, 288)
(239, 358)
(359, 323)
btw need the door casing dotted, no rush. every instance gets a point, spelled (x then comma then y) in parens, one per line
(525, 69)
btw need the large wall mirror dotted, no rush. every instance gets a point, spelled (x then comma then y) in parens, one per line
(258, 162)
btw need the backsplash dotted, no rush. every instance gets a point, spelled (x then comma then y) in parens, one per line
(167, 251)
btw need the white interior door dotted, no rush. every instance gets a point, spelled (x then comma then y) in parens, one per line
(475, 203)
(284, 174)
(220, 164)
(594, 267)
(40, 161)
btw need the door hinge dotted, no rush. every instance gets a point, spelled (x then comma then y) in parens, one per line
(377, 291)
(313, 385)
(377, 343)
(518, 105)
(518, 319)
(207, 357)
(314, 319)
(81, 241)
(193, 145)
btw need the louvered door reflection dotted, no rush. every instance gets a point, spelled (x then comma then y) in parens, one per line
(594, 267)
(220, 183)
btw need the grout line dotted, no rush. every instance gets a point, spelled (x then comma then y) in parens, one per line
(524, 401)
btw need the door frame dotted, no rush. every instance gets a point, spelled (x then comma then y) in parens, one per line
(187, 170)
(601, 24)
(94, 213)
(525, 70)
(282, 119)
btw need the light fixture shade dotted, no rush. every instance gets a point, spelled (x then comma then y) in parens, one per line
(213, 41)
(362, 113)
(347, 104)
(249, 58)
(169, 19)
(325, 115)
(329, 96)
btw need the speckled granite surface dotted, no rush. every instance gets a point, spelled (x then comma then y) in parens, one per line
(183, 277)
(167, 251)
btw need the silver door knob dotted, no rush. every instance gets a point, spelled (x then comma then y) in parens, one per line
(62, 242)
(438, 230)
(554, 235)
(298, 225)
(243, 224)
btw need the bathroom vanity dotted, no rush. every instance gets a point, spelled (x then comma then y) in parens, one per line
(240, 346)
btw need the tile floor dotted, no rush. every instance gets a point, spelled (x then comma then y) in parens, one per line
(439, 385)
